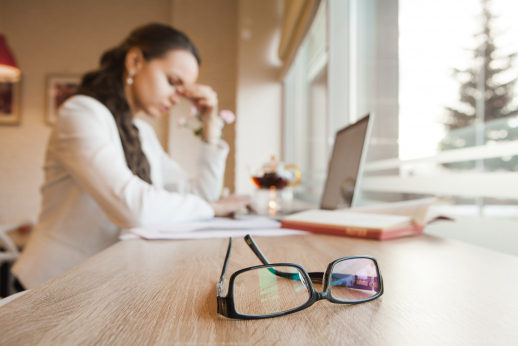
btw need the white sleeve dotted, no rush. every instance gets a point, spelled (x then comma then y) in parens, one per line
(94, 161)
(211, 169)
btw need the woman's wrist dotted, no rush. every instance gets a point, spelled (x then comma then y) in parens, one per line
(212, 126)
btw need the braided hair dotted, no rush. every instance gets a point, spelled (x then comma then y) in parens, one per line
(107, 84)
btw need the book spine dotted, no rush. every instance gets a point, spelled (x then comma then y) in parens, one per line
(358, 232)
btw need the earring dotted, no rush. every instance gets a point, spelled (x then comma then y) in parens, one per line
(130, 77)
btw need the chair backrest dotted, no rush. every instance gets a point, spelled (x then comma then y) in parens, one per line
(10, 252)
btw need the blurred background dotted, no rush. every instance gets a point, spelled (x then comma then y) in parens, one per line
(439, 75)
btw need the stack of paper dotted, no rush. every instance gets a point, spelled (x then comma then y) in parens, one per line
(214, 228)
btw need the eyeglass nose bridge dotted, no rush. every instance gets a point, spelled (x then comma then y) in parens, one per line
(322, 296)
(320, 278)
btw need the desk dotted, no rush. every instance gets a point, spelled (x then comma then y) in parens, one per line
(139, 292)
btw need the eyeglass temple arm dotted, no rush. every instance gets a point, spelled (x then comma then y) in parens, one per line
(225, 264)
(251, 243)
(346, 280)
(316, 277)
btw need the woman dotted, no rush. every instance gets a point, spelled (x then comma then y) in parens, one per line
(106, 170)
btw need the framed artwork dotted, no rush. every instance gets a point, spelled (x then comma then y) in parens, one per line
(59, 89)
(9, 102)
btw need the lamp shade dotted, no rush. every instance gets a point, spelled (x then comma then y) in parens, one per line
(8, 67)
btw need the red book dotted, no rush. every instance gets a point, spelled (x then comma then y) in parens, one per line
(353, 224)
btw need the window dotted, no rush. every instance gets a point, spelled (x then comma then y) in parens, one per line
(335, 80)
(305, 126)
(457, 100)
(442, 80)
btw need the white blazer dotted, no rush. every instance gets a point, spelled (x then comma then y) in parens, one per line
(89, 192)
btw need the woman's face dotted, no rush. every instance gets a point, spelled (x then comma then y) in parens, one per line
(154, 82)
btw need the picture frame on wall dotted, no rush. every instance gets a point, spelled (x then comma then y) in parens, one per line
(59, 89)
(9, 102)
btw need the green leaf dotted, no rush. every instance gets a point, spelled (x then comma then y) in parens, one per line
(198, 132)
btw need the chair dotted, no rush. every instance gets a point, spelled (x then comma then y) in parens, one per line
(8, 254)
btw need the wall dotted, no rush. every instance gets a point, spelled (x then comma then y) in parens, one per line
(212, 26)
(55, 36)
(259, 97)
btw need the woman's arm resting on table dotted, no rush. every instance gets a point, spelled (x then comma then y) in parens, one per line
(229, 206)
(211, 169)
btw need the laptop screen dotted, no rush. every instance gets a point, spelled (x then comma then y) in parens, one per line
(346, 161)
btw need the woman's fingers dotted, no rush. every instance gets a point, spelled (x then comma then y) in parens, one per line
(203, 97)
(231, 205)
(199, 93)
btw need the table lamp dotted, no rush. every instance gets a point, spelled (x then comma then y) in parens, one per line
(8, 68)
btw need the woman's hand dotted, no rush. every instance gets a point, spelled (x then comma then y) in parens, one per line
(202, 96)
(229, 206)
(206, 102)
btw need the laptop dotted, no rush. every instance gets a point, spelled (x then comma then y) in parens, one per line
(346, 165)
(345, 168)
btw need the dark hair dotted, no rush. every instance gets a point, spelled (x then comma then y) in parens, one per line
(107, 84)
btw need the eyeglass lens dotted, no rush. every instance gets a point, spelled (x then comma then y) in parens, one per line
(354, 279)
(263, 291)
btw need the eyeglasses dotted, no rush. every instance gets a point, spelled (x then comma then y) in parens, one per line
(278, 289)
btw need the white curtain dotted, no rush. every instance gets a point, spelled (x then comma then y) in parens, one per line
(298, 16)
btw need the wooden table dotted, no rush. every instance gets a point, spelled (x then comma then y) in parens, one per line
(139, 292)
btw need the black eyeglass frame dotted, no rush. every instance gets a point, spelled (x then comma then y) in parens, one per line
(226, 306)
